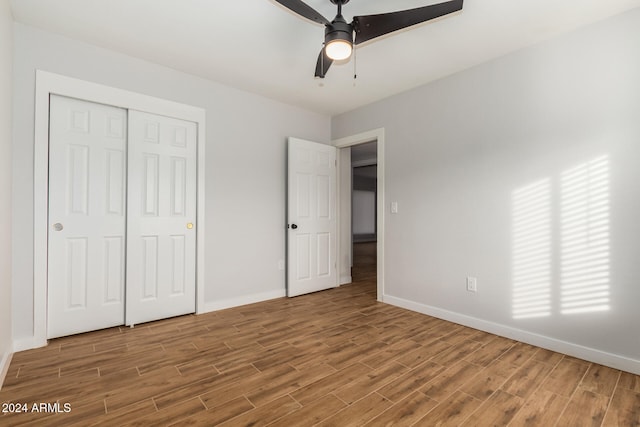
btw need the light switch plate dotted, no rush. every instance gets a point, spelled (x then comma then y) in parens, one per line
(472, 284)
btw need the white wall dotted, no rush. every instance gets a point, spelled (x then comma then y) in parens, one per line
(364, 212)
(245, 165)
(6, 62)
(459, 148)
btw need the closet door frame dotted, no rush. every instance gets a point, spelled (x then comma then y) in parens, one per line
(54, 84)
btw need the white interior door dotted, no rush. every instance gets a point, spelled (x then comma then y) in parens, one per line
(87, 187)
(311, 214)
(161, 235)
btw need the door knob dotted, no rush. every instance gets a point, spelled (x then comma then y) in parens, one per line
(190, 225)
(294, 226)
(57, 226)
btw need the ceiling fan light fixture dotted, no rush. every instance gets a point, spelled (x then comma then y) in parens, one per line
(339, 49)
(338, 39)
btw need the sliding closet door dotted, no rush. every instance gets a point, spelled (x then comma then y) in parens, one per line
(87, 213)
(161, 235)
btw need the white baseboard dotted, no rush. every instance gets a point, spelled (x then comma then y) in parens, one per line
(344, 280)
(4, 367)
(575, 350)
(244, 300)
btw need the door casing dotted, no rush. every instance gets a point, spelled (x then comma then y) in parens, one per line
(49, 83)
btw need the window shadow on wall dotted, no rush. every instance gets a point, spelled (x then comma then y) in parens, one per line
(566, 232)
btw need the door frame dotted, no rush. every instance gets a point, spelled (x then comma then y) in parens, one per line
(49, 83)
(376, 135)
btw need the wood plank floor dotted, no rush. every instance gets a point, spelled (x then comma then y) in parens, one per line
(333, 358)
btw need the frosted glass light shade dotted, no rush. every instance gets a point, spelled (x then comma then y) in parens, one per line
(338, 49)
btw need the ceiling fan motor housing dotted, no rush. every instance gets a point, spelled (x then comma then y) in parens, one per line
(339, 29)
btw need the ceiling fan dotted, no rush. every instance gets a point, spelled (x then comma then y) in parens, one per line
(338, 34)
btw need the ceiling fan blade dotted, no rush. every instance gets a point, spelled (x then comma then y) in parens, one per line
(304, 10)
(323, 64)
(371, 26)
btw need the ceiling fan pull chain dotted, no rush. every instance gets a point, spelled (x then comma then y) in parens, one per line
(355, 66)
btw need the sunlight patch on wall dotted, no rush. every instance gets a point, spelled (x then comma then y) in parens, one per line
(584, 233)
(531, 207)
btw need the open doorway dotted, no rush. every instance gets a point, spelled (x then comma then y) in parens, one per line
(364, 195)
(367, 256)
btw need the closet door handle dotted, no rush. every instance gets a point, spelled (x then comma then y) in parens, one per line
(58, 227)
(190, 225)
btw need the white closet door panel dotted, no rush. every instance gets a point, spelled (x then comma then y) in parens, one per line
(178, 267)
(161, 244)
(87, 166)
(114, 268)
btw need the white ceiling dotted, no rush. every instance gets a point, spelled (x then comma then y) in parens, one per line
(261, 47)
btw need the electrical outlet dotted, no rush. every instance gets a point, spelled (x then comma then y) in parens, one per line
(472, 284)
